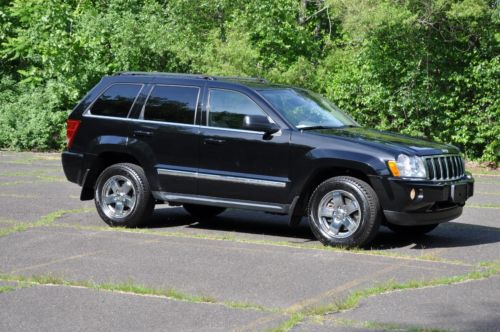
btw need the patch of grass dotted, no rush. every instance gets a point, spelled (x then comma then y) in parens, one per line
(41, 175)
(14, 229)
(484, 206)
(290, 323)
(138, 289)
(43, 221)
(353, 300)
(246, 305)
(486, 181)
(16, 195)
(488, 193)
(130, 288)
(13, 183)
(25, 173)
(33, 158)
(4, 289)
(484, 270)
(215, 237)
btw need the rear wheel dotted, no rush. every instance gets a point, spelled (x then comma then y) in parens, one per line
(203, 211)
(344, 211)
(122, 196)
(412, 230)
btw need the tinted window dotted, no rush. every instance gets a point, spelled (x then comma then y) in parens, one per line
(228, 108)
(116, 100)
(172, 104)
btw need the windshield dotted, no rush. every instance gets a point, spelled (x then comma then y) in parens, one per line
(305, 109)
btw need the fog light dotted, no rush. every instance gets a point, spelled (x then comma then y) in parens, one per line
(413, 194)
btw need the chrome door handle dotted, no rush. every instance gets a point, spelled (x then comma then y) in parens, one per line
(142, 133)
(214, 141)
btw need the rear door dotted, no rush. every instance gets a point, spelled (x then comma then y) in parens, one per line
(238, 164)
(166, 133)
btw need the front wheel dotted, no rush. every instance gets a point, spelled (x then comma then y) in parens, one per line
(344, 211)
(122, 196)
(418, 230)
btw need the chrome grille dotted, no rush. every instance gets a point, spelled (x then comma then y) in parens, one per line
(445, 167)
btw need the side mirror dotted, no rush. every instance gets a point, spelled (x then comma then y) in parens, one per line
(260, 123)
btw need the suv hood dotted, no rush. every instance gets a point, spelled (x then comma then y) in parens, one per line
(390, 141)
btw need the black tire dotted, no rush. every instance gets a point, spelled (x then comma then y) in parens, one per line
(143, 207)
(412, 230)
(203, 211)
(356, 193)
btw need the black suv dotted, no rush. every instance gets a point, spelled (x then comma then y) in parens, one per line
(210, 143)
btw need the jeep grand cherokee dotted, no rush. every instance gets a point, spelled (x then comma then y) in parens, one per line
(210, 143)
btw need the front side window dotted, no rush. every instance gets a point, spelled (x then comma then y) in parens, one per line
(116, 101)
(175, 104)
(227, 109)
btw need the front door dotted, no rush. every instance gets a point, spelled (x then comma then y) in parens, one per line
(238, 164)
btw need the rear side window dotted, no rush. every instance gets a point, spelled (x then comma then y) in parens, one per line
(172, 104)
(227, 109)
(116, 101)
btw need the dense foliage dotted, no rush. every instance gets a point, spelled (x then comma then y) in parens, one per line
(421, 67)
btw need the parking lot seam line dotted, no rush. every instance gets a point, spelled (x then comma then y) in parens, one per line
(5, 289)
(341, 322)
(485, 175)
(295, 319)
(17, 196)
(131, 288)
(484, 206)
(483, 271)
(487, 193)
(487, 182)
(35, 173)
(55, 261)
(43, 221)
(266, 242)
(344, 287)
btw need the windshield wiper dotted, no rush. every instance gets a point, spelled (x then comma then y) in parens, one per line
(316, 127)
(326, 127)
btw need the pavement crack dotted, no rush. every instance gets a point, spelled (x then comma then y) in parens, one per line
(483, 271)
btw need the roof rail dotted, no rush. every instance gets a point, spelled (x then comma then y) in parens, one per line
(199, 76)
(148, 73)
(239, 78)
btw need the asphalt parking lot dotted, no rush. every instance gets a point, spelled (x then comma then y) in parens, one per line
(63, 269)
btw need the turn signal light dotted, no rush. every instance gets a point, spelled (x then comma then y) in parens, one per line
(393, 167)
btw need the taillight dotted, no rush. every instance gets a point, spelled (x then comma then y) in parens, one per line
(71, 128)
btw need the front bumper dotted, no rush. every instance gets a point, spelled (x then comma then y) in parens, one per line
(433, 202)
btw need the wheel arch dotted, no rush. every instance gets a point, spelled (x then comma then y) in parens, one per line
(99, 163)
(314, 179)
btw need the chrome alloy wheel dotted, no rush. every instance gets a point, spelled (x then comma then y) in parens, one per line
(118, 197)
(339, 214)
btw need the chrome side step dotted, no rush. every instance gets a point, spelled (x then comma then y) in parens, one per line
(223, 202)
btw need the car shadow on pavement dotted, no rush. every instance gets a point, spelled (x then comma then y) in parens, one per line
(447, 235)
(237, 221)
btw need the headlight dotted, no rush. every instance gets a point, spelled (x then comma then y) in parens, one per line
(408, 167)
